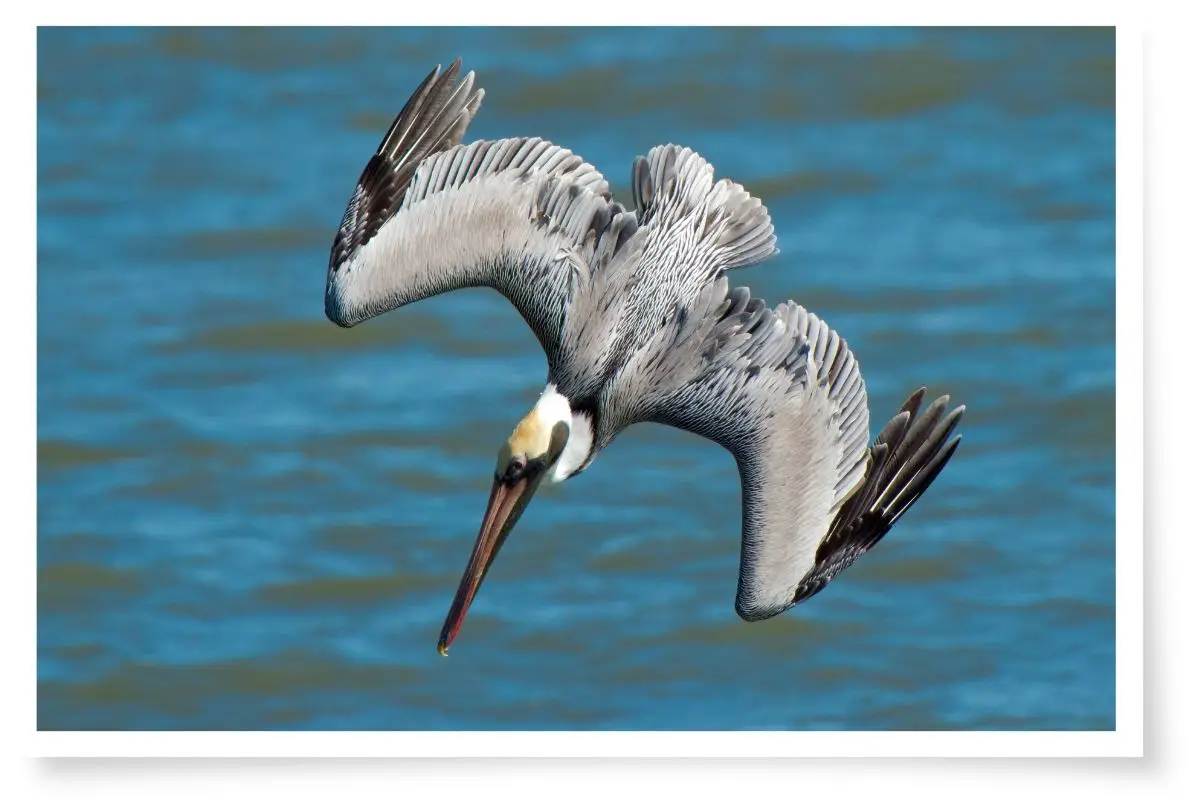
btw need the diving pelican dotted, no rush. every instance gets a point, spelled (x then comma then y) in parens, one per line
(639, 324)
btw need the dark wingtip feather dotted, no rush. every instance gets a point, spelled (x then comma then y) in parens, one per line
(433, 120)
(914, 402)
(909, 454)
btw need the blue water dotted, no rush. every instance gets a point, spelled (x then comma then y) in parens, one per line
(249, 518)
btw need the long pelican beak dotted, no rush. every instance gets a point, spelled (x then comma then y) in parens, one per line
(504, 508)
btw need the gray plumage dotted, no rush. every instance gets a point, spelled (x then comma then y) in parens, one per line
(639, 324)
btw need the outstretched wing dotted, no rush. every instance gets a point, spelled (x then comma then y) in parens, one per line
(430, 215)
(778, 388)
(782, 392)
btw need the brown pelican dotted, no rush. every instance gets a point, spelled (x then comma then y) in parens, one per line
(639, 324)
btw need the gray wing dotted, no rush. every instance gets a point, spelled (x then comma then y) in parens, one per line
(778, 388)
(430, 215)
(782, 392)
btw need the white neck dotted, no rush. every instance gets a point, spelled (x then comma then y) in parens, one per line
(554, 407)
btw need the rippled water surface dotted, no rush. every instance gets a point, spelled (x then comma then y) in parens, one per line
(249, 518)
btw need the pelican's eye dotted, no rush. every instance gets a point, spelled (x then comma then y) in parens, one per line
(515, 469)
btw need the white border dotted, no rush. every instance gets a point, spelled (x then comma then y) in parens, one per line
(612, 13)
(1125, 741)
(615, 744)
(1130, 444)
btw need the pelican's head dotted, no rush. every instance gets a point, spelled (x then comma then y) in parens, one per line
(550, 442)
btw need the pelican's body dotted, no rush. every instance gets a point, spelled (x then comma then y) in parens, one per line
(639, 324)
